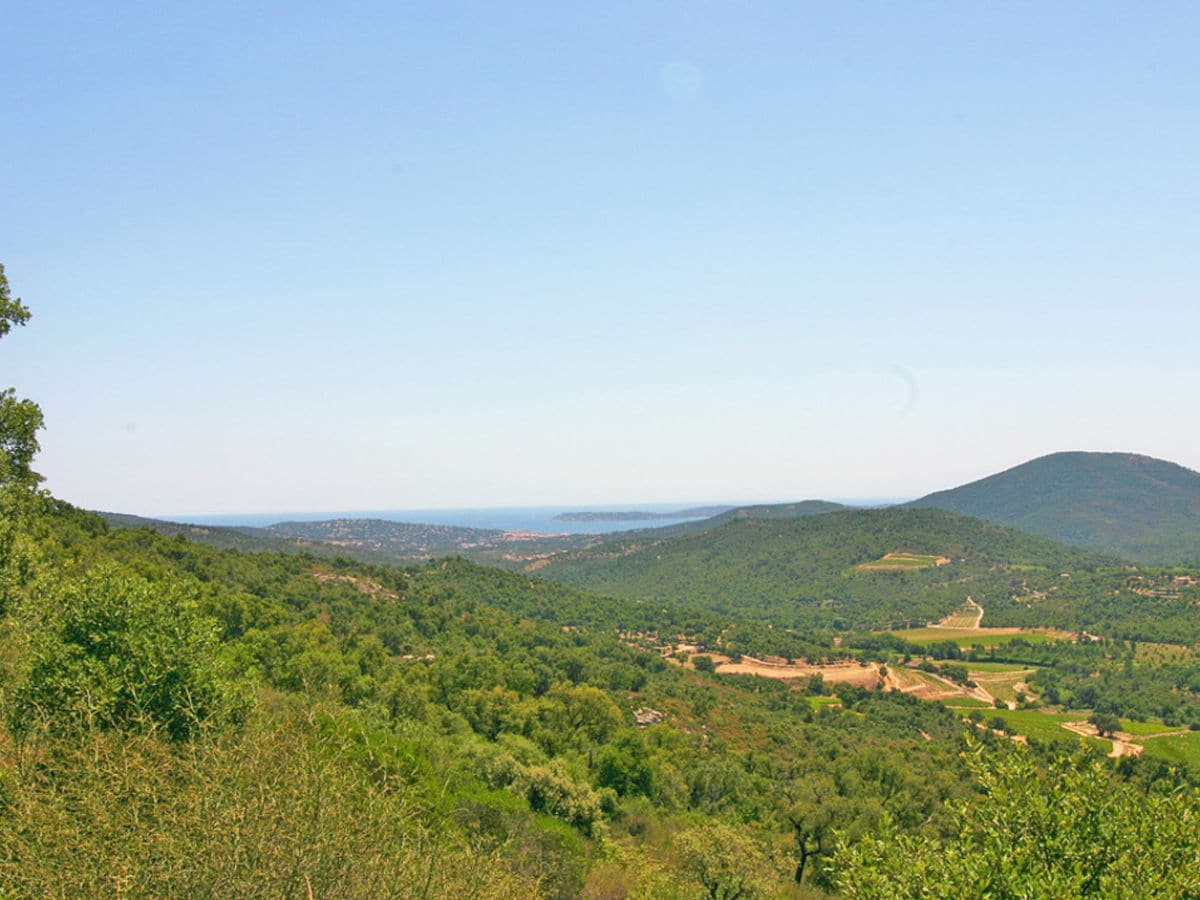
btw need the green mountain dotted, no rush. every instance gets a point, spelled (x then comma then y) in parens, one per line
(1133, 506)
(824, 571)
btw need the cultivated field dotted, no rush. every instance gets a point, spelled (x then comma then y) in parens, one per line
(904, 562)
(983, 637)
(1003, 685)
(969, 615)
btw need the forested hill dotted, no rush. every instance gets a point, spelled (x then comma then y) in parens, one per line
(385, 541)
(777, 511)
(1133, 506)
(366, 540)
(824, 570)
(244, 539)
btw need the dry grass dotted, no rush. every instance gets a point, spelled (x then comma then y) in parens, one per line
(280, 810)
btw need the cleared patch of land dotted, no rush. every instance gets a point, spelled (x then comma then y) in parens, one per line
(1004, 685)
(969, 615)
(1046, 726)
(820, 703)
(899, 561)
(968, 703)
(837, 673)
(983, 637)
(1133, 739)
(925, 685)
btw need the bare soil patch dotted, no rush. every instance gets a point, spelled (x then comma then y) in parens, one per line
(1122, 743)
(839, 673)
(365, 585)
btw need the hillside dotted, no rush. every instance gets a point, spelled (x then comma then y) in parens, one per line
(469, 729)
(777, 511)
(385, 541)
(366, 540)
(1132, 506)
(405, 540)
(244, 539)
(823, 570)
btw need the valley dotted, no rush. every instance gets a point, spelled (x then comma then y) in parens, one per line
(770, 679)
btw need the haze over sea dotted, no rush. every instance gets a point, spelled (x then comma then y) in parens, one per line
(541, 519)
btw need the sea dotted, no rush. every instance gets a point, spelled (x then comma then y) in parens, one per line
(539, 519)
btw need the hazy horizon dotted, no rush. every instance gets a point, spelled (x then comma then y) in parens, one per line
(234, 517)
(472, 255)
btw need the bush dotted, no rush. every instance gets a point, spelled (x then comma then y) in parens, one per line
(113, 651)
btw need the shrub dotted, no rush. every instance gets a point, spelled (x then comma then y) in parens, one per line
(113, 651)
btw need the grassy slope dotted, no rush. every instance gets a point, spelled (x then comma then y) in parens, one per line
(1121, 503)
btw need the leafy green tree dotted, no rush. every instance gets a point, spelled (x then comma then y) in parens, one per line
(12, 312)
(115, 651)
(624, 765)
(726, 860)
(20, 420)
(578, 716)
(1106, 723)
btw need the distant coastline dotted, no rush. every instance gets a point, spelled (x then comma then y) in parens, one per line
(634, 515)
(547, 520)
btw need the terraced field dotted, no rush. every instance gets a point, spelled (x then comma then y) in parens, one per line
(1003, 684)
(904, 561)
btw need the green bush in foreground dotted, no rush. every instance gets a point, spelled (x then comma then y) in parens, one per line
(1071, 829)
(115, 651)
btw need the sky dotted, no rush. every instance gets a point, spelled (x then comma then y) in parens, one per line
(305, 256)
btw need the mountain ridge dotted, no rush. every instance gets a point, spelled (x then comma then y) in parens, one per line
(1135, 506)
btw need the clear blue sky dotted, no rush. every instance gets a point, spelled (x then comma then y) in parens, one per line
(302, 256)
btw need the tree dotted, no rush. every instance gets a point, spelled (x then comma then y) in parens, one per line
(727, 861)
(1106, 723)
(579, 716)
(12, 312)
(20, 421)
